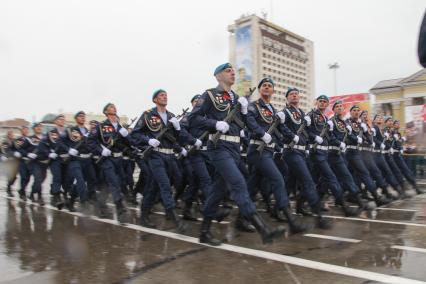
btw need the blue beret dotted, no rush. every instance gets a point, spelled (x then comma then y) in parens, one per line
(196, 97)
(323, 97)
(337, 103)
(354, 107)
(79, 113)
(157, 92)
(35, 124)
(291, 90)
(266, 80)
(221, 67)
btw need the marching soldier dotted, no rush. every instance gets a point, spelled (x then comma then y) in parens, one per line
(210, 113)
(353, 156)
(20, 146)
(107, 140)
(263, 122)
(294, 151)
(11, 163)
(161, 161)
(321, 136)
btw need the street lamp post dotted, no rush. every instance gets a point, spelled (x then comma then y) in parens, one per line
(334, 67)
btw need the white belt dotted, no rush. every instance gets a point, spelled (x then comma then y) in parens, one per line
(228, 138)
(164, 150)
(204, 148)
(385, 151)
(64, 156)
(244, 154)
(334, 148)
(298, 147)
(126, 158)
(366, 149)
(85, 156)
(324, 148)
(377, 151)
(96, 157)
(44, 161)
(352, 147)
(117, 155)
(259, 142)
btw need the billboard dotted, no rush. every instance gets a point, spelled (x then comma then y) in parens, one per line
(415, 124)
(361, 99)
(243, 58)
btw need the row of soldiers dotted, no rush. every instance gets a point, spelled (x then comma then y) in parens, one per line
(225, 149)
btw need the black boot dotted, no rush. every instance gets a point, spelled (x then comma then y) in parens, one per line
(296, 226)
(9, 191)
(188, 213)
(145, 220)
(22, 195)
(380, 200)
(243, 225)
(57, 201)
(40, 199)
(69, 203)
(419, 190)
(268, 235)
(401, 192)
(122, 214)
(32, 198)
(222, 213)
(173, 216)
(347, 210)
(278, 215)
(363, 204)
(206, 236)
(300, 209)
(322, 223)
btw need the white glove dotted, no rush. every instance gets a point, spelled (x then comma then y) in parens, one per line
(296, 139)
(403, 139)
(330, 124)
(73, 152)
(198, 144)
(318, 139)
(401, 151)
(222, 126)
(308, 120)
(17, 154)
(307, 152)
(342, 145)
(53, 155)
(267, 138)
(4, 158)
(32, 155)
(184, 152)
(359, 139)
(242, 133)
(349, 128)
(373, 145)
(154, 143)
(374, 131)
(396, 136)
(387, 134)
(382, 146)
(392, 150)
(244, 104)
(123, 131)
(106, 152)
(281, 115)
(175, 123)
(364, 127)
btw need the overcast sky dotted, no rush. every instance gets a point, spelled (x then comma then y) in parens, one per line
(78, 55)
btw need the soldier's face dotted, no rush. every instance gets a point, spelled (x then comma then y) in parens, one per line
(338, 109)
(396, 125)
(266, 90)
(161, 99)
(194, 102)
(25, 131)
(81, 119)
(364, 116)
(92, 126)
(355, 112)
(379, 120)
(227, 76)
(111, 110)
(322, 104)
(389, 123)
(10, 135)
(293, 97)
(38, 130)
(60, 122)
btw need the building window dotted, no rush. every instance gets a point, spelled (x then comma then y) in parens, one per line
(418, 101)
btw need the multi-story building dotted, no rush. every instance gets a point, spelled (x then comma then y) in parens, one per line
(259, 49)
